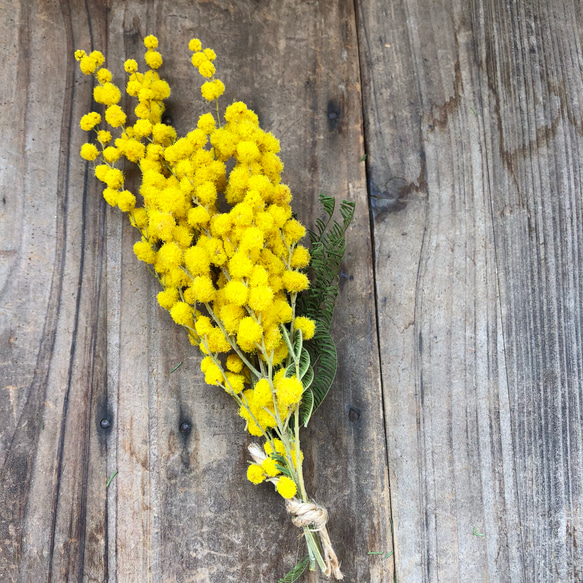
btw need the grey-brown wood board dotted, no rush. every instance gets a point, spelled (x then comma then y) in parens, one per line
(86, 346)
(473, 132)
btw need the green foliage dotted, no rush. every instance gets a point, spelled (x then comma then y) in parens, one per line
(328, 246)
(306, 407)
(296, 572)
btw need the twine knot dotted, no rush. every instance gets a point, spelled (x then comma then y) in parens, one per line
(314, 516)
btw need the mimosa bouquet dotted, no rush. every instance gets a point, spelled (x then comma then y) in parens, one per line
(217, 231)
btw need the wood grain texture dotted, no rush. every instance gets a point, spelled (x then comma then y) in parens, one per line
(82, 339)
(473, 125)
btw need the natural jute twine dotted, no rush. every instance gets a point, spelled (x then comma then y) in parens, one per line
(315, 517)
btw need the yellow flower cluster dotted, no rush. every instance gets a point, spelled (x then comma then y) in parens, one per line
(267, 467)
(216, 226)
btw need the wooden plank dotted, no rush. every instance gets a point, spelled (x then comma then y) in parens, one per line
(52, 376)
(85, 341)
(474, 141)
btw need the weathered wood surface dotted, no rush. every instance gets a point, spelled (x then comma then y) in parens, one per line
(473, 124)
(469, 114)
(83, 339)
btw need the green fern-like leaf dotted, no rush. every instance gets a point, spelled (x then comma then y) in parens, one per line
(328, 246)
(296, 572)
(306, 407)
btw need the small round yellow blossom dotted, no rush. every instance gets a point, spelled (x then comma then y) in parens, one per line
(160, 90)
(289, 391)
(206, 193)
(89, 63)
(182, 313)
(294, 281)
(130, 66)
(248, 152)
(195, 45)
(153, 59)
(293, 231)
(183, 236)
(144, 252)
(241, 214)
(206, 123)
(286, 487)
(255, 474)
(216, 251)
(170, 255)
(282, 195)
(279, 447)
(236, 381)
(240, 265)
(207, 361)
(235, 111)
(143, 128)
(283, 311)
(198, 216)
(104, 136)
(111, 154)
(249, 333)
(132, 149)
(262, 393)
(126, 201)
(231, 316)
(151, 42)
(234, 363)
(163, 134)
(101, 172)
(115, 116)
(307, 326)
(278, 214)
(270, 467)
(213, 375)
(142, 111)
(110, 195)
(113, 178)
(198, 59)
(89, 152)
(236, 292)
(175, 277)
(212, 90)
(259, 276)
(197, 260)
(210, 54)
(260, 298)
(300, 257)
(252, 239)
(272, 337)
(133, 88)
(217, 342)
(203, 326)
(139, 218)
(89, 121)
(203, 289)
(207, 69)
(272, 165)
(161, 225)
(221, 225)
(79, 54)
(98, 56)
(168, 298)
(103, 75)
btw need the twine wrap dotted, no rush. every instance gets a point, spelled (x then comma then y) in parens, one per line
(315, 517)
